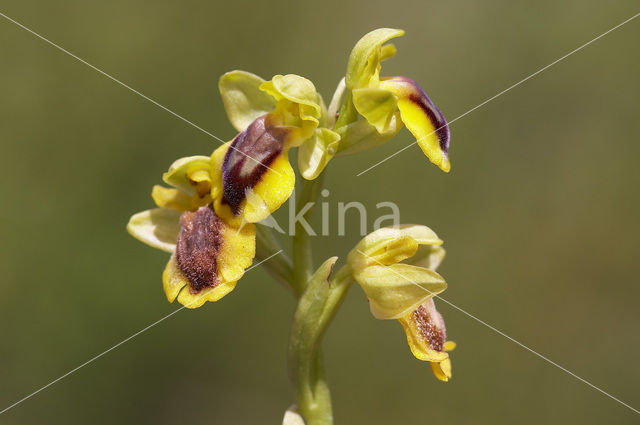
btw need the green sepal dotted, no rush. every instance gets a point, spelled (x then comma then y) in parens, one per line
(242, 98)
(158, 228)
(363, 69)
(396, 290)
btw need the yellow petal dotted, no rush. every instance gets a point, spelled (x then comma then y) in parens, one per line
(238, 250)
(387, 51)
(173, 280)
(390, 245)
(195, 300)
(273, 190)
(378, 106)
(181, 171)
(211, 256)
(217, 161)
(315, 153)
(442, 370)
(426, 333)
(298, 91)
(170, 198)
(423, 119)
(200, 179)
(253, 175)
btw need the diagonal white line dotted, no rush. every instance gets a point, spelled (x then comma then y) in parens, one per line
(505, 335)
(133, 90)
(91, 360)
(503, 92)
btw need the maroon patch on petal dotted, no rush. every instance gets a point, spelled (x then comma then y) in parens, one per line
(199, 244)
(431, 326)
(248, 159)
(420, 98)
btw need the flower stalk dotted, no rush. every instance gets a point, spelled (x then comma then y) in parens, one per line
(301, 245)
(279, 265)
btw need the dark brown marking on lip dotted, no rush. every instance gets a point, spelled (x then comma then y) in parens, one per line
(257, 146)
(430, 326)
(198, 247)
(420, 98)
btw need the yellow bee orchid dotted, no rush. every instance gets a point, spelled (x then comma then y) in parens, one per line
(395, 266)
(208, 255)
(253, 176)
(385, 103)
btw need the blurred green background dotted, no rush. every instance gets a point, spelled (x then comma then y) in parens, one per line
(539, 214)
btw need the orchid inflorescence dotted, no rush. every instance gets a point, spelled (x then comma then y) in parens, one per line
(209, 218)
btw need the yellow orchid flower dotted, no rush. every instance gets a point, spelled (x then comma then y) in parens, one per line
(427, 338)
(191, 181)
(251, 174)
(209, 255)
(385, 103)
(395, 266)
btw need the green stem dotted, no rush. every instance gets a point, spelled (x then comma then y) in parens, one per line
(302, 256)
(318, 302)
(316, 309)
(279, 264)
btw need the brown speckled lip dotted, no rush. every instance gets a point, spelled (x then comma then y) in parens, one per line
(198, 247)
(430, 325)
(254, 150)
(420, 98)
